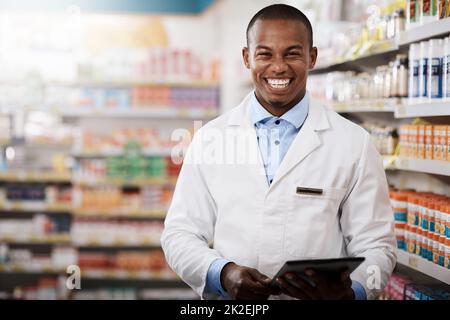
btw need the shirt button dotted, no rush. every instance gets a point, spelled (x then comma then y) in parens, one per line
(277, 142)
(271, 180)
(277, 122)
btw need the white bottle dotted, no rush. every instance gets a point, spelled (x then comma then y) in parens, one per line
(446, 70)
(423, 70)
(414, 60)
(435, 54)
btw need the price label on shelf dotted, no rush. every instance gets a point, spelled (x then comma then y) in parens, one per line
(401, 110)
(184, 113)
(413, 261)
(404, 162)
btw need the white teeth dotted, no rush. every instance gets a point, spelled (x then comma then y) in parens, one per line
(278, 83)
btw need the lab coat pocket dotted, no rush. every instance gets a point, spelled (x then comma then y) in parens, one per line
(312, 224)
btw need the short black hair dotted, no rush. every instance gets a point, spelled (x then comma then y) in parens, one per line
(282, 12)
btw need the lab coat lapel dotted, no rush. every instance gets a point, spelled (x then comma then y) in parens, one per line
(240, 118)
(306, 141)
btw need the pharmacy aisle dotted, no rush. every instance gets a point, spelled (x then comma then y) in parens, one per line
(88, 109)
(394, 80)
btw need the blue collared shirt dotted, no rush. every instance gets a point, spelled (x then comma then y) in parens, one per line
(275, 135)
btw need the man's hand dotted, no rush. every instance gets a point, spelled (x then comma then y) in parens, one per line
(245, 283)
(327, 288)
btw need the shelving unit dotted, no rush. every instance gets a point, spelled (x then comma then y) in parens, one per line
(397, 111)
(380, 105)
(153, 214)
(420, 264)
(427, 109)
(26, 207)
(51, 239)
(26, 176)
(123, 84)
(426, 166)
(385, 50)
(424, 32)
(141, 112)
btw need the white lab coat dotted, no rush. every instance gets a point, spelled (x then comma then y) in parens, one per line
(228, 209)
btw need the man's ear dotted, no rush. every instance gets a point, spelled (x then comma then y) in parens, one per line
(245, 57)
(312, 57)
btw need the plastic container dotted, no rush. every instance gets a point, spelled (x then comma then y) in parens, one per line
(435, 65)
(414, 60)
(446, 69)
(423, 70)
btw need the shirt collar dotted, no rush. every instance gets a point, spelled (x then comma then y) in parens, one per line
(296, 115)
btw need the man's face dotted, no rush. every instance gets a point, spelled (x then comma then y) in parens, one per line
(279, 57)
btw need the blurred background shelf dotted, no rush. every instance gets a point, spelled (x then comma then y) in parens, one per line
(50, 239)
(141, 112)
(381, 105)
(31, 208)
(420, 264)
(120, 84)
(438, 167)
(154, 214)
(430, 30)
(428, 109)
(28, 176)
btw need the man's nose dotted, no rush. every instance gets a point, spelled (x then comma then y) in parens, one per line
(279, 65)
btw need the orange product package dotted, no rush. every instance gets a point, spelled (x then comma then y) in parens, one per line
(429, 140)
(421, 142)
(436, 142)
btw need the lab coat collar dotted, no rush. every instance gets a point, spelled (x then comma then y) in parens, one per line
(317, 116)
(306, 141)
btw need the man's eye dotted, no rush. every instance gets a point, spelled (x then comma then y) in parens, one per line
(264, 54)
(293, 53)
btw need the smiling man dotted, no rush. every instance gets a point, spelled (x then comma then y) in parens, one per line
(230, 227)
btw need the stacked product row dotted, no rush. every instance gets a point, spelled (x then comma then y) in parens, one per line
(429, 76)
(422, 224)
(430, 142)
(117, 200)
(400, 287)
(134, 98)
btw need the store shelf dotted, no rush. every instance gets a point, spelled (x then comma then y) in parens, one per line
(116, 243)
(379, 105)
(422, 265)
(151, 152)
(141, 112)
(425, 166)
(23, 176)
(383, 51)
(124, 84)
(430, 30)
(428, 109)
(124, 182)
(378, 54)
(51, 239)
(94, 274)
(26, 269)
(128, 275)
(156, 214)
(27, 207)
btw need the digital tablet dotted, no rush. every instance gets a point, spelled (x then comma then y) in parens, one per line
(326, 266)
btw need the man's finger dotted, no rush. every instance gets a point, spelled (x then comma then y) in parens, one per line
(303, 285)
(291, 290)
(318, 278)
(345, 275)
(251, 285)
(258, 276)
